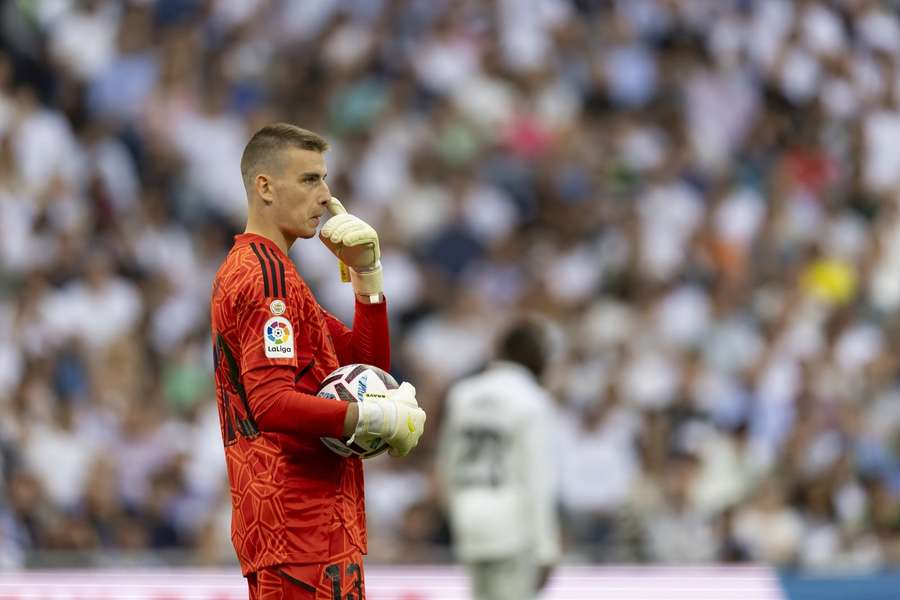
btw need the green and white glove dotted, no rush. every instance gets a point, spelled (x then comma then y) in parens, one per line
(394, 416)
(355, 243)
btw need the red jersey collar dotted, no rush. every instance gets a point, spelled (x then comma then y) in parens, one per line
(243, 239)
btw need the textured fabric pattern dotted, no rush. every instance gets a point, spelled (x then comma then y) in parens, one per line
(288, 491)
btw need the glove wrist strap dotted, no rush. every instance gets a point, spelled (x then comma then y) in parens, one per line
(369, 282)
(375, 418)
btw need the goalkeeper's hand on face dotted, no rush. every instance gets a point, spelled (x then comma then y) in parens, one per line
(394, 416)
(355, 243)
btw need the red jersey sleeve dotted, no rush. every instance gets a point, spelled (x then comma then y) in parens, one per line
(268, 360)
(278, 407)
(267, 339)
(369, 340)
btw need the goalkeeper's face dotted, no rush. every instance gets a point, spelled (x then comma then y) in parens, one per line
(300, 192)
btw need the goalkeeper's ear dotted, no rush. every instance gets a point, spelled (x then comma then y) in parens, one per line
(335, 207)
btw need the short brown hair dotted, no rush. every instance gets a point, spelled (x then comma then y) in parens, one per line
(525, 341)
(266, 143)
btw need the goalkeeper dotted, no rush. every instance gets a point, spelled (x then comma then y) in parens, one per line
(298, 514)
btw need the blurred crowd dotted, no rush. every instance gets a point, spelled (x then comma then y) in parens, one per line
(704, 195)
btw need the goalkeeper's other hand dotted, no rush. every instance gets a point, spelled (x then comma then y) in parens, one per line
(355, 243)
(394, 416)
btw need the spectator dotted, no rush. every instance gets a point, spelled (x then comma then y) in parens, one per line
(703, 195)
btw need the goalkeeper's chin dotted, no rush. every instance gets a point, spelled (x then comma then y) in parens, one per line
(307, 230)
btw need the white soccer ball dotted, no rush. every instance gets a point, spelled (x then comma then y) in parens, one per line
(348, 384)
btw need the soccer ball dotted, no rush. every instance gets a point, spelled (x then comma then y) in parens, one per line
(349, 383)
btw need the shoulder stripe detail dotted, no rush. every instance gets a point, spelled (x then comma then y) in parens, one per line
(281, 273)
(268, 256)
(262, 267)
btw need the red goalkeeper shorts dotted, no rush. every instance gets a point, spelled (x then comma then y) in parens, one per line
(339, 578)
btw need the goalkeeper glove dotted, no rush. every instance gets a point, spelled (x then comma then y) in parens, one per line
(394, 416)
(355, 243)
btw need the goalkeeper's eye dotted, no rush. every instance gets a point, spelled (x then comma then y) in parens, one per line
(312, 178)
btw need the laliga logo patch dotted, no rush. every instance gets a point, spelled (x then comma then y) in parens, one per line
(278, 338)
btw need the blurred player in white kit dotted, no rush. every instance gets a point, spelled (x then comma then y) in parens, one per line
(496, 469)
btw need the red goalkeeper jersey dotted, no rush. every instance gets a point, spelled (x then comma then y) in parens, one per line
(272, 346)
